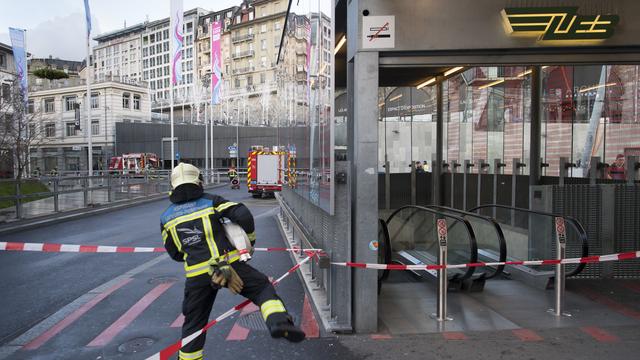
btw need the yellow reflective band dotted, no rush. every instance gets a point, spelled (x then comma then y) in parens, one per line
(271, 307)
(189, 217)
(208, 234)
(165, 235)
(174, 236)
(197, 269)
(225, 206)
(197, 355)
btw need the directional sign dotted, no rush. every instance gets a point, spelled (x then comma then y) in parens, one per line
(378, 32)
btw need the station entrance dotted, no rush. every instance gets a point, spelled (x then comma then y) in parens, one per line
(501, 137)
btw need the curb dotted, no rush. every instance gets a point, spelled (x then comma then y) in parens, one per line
(45, 220)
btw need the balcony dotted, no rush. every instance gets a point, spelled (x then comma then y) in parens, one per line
(241, 38)
(243, 54)
(244, 70)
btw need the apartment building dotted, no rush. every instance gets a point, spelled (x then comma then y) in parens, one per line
(250, 50)
(203, 54)
(64, 147)
(119, 53)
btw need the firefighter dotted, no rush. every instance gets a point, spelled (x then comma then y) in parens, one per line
(233, 178)
(192, 232)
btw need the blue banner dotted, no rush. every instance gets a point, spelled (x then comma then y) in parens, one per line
(20, 58)
(87, 15)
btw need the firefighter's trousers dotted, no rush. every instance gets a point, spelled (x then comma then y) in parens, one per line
(199, 297)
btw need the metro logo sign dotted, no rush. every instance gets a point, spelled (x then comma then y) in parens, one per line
(561, 24)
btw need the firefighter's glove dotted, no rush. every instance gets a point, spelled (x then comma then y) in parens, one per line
(225, 276)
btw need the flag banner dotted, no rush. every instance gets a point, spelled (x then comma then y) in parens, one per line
(20, 57)
(177, 36)
(87, 15)
(216, 62)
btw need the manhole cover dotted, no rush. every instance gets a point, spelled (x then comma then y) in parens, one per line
(136, 345)
(162, 280)
(253, 321)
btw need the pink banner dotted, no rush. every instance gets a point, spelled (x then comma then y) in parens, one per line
(216, 62)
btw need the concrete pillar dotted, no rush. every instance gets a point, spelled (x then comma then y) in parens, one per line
(362, 87)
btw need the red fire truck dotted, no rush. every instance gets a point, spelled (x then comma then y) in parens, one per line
(265, 170)
(134, 163)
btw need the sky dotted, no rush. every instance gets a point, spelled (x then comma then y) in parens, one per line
(57, 27)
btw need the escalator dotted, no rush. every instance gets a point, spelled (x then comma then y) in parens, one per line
(409, 236)
(530, 235)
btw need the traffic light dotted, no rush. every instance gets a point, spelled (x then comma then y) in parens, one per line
(76, 108)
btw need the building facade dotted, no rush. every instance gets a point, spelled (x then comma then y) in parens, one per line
(250, 51)
(7, 68)
(119, 54)
(63, 147)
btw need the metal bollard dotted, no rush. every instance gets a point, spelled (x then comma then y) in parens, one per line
(85, 193)
(56, 196)
(561, 241)
(18, 201)
(108, 188)
(515, 171)
(465, 175)
(454, 166)
(497, 170)
(441, 310)
(481, 170)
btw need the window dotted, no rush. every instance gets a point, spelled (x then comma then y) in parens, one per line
(251, 16)
(6, 92)
(126, 101)
(165, 34)
(263, 78)
(249, 80)
(263, 28)
(3, 61)
(49, 105)
(238, 19)
(95, 102)
(69, 103)
(189, 27)
(237, 82)
(263, 44)
(70, 129)
(263, 11)
(250, 30)
(165, 46)
(263, 61)
(50, 130)
(276, 25)
(95, 127)
(30, 107)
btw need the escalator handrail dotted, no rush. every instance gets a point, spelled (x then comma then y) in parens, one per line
(575, 223)
(502, 243)
(473, 244)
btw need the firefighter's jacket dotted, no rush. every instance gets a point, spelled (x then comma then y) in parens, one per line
(192, 232)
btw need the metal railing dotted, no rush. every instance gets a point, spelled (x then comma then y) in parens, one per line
(65, 191)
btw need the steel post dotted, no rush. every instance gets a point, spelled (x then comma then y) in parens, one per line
(18, 200)
(56, 196)
(441, 310)
(387, 186)
(497, 166)
(594, 168)
(561, 240)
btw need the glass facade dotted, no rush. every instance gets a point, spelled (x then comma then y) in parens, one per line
(586, 111)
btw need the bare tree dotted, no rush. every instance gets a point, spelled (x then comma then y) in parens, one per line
(20, 130)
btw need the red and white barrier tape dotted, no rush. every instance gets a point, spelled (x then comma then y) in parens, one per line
(165, 353)
(40, 247)
(586, 260)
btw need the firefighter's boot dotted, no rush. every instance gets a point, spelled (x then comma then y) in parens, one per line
(283, 327)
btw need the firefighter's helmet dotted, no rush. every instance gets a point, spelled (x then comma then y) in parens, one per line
(185, 174)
